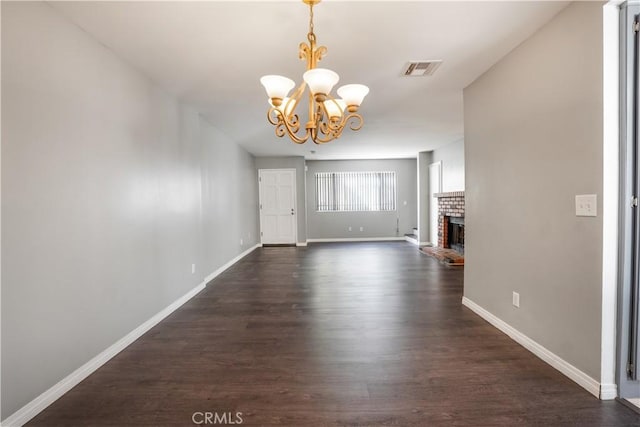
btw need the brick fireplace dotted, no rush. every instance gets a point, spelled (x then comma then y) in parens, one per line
(451, 220)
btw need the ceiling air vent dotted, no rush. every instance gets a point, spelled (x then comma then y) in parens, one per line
(421, 68)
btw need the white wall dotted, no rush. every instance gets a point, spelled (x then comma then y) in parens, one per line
(335, 225)
(452, 158)
(533, 140)
(110, 191)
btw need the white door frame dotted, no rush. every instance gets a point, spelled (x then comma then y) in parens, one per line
(295, 200)
(434, 239)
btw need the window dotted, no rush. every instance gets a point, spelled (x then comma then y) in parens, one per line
(355, 191)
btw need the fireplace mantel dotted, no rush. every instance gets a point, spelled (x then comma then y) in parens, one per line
(449, 194)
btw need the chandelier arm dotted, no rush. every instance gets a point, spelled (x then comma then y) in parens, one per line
(285, 125)
(329, 134)
(313, 116)
(335, 131)
(329, 137)
(298, 93)
(274, 116)
(320, 114)
(333, 127)
(319, 140)
(291, 125)
(325, 125)
(295, 99)
(356, 121)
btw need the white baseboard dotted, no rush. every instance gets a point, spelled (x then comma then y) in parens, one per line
(581, 378)
(301, 244)
(230, 263)
(357, 239)
(416, 242)
(37, 405)
(608, 391)
(412, 240)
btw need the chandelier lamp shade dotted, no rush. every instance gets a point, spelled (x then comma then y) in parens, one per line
(328, 116)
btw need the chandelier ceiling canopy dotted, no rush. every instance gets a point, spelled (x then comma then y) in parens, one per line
(328, 116)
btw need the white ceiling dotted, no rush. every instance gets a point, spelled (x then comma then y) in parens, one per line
(212, 54)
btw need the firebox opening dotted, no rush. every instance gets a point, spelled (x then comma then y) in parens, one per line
(455, 234)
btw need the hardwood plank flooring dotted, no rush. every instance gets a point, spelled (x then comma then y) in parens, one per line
(356, 334)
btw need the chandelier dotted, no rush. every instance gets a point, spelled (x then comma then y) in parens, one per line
(328, 116)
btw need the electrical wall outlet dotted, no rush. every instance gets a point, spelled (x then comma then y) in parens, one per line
(349, 228)
(241, 242)
(193, 268)
(587, 205)
(516, 299)
(361, 228)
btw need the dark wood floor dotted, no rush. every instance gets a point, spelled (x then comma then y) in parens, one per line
(333, 334)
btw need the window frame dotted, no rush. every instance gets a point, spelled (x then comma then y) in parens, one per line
(381, 203)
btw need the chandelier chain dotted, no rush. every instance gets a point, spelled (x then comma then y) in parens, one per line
(311, 34)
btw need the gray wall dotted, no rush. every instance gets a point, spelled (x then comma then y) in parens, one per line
(327, 225)
(533, 140)
(110, 191)
(452, 158)
(297, 163)
(229, 198)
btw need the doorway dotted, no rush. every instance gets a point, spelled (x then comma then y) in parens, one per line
(435, 186)
(278, 218)
(628, 369)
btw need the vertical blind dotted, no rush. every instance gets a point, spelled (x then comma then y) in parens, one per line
(355, 191)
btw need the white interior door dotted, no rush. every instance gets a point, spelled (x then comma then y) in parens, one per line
(435, 186)
(278, 223)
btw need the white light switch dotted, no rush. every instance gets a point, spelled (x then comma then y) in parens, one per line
(586, 205)
(516, 299)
